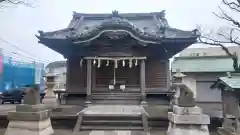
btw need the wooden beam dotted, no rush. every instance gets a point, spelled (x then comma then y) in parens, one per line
(115, 58)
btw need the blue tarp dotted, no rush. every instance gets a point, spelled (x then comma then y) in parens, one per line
(17, 74)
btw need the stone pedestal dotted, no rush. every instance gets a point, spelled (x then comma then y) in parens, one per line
(50, 100)
(187, 121)
(29, 120)
(229, 127)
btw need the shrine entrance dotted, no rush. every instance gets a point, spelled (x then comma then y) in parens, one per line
(117, 75)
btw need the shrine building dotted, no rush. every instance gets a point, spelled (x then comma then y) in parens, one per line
(118, 53)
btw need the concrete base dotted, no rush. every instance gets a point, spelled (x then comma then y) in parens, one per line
(29, 128)
(187, 121)
(187, 130)
(29, 120)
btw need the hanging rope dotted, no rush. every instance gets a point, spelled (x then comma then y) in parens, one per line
(81, 62)
(114, 76)
(123, 63)
(130, 63)
(99, 63)
(107, 63)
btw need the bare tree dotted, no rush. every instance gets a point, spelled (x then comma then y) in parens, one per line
(5, 3)
(226, 36)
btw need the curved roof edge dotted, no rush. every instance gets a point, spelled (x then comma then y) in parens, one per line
(120, 24)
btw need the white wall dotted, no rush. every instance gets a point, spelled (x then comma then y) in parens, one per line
(206, 94)
(59, 70)
(208, 99)
(203, 81)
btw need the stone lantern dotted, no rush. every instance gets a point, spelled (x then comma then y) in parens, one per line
(186, 118)
(177, 81)
(178, 77)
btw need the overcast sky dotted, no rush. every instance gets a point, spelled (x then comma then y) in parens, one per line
(19, 24)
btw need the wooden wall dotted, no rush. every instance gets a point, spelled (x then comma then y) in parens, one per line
(76, 75)
(156, 75)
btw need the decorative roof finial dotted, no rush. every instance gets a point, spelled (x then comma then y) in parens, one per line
(163, 12)
(115, 13)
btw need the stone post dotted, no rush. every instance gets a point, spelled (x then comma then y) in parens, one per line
(50, 99)
(30, 118)
(177, 79)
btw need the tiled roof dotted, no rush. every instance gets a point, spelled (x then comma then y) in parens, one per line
(209, 51)
(150, 27)
(203, 64)
(233, 81)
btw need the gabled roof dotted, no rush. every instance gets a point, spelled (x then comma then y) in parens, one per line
(144, 27)
(231, 82)
(203, 64)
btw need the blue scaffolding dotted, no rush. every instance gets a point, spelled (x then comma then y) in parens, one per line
(15, 74)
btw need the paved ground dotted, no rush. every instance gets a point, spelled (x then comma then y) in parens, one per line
(4, 109)
(159, 110)
(69, 132)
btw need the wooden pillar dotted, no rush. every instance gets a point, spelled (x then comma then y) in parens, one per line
(168, 74)
(224, 115)
(67, 86)
(142, 81)
(89, 80)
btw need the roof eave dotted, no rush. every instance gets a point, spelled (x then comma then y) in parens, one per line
(215, 84)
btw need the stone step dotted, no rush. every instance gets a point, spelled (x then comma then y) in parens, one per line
(113, 123)
(111, 117)
(116, 122)
(110, 128)
(158, 124)
(114, 98)
(130, 95)
(117, 95)
(116, 102)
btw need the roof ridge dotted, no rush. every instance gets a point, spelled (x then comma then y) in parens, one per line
(199, 57)
(77, 14)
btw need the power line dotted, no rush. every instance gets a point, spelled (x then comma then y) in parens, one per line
(10, 54)
(28, 57)
(21, 49)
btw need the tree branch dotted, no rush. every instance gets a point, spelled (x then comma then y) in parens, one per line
(224, 48)
(225, 16)
(15, 2)
(232, 5)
